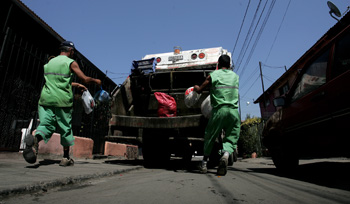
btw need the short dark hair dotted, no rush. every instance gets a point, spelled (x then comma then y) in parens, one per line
(224, 61)
(65, 48)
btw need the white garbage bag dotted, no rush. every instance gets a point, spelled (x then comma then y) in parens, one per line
(191, 97)
(88, 102)
(206, 107)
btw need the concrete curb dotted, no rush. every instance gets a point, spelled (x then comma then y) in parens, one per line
(44, 186)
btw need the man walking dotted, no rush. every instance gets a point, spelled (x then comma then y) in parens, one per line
(56, 103)
(223, 84)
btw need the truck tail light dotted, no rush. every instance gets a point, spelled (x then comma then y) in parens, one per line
(201, 55)
(159, 59)
(194, 56)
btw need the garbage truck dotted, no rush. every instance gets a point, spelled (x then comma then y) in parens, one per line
(135, 109)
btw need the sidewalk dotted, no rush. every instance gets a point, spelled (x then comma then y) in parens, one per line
(17, 176)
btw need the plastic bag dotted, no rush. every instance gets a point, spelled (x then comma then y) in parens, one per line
(166, 105)
(206, 107)
(102, 96)
(191, 97)
(88, 102)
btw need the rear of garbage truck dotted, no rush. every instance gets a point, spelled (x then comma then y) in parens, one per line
(138, 114)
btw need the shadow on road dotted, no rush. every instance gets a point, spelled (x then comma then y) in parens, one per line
(329, 174)
(173, 165)
(137, 162)
(44, 162)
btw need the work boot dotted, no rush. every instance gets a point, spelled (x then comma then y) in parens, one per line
(222, 169)
(32, 147)
(67, 162)
(203, 167)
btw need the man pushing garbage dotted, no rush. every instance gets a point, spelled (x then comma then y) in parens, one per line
(56, 103)
(223, 84)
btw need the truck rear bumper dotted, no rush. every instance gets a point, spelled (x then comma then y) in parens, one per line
(156, 122)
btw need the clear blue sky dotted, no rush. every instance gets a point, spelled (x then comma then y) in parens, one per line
(111, 33)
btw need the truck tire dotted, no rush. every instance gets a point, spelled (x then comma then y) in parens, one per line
(284, 159)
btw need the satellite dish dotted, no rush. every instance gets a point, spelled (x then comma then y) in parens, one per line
(333, 9)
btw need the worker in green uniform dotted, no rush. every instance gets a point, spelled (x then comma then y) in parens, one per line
(223, 84)
(56, 103)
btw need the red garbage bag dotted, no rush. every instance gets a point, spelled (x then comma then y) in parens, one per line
(166, 105)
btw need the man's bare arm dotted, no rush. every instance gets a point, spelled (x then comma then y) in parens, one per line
(200, 88)
(75, 84)
(75, 68)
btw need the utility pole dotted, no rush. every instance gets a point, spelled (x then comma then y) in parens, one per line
(262, 82)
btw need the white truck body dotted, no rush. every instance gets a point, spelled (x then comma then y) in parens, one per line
(186, 59)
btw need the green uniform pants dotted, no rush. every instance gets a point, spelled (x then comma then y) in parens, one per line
(224, 118)
(50, 117)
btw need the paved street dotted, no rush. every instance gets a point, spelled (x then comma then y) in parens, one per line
(122, 181)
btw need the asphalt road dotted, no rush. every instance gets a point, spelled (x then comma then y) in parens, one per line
(316, 181)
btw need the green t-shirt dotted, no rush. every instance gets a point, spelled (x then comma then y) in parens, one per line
(57, 91)
(224, 88)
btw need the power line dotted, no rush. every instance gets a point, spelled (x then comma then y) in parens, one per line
(250, 77)
(251, 86)
(259, 34)
(242, 72)
(118, 78)
(269, 78)
(262, 27)
(279, 28)
(109, 72)
(273, 67)
(239, 33)
(247, 36)
(248, 40)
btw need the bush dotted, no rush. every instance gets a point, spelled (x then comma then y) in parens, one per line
(249, 140)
